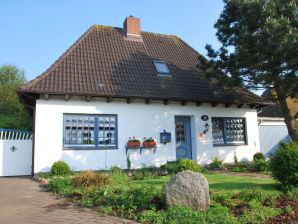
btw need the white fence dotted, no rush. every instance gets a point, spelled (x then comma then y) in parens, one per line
(15, 152)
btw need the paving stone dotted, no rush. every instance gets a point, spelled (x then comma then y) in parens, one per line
(24, 202)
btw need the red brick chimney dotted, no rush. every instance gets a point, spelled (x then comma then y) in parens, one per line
(132, 26)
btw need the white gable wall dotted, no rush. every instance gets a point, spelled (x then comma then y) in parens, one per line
(139, 120)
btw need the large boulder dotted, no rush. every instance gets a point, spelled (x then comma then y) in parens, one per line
(188, 189)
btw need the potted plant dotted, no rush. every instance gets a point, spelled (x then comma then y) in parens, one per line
(133, 142)
(149, 142)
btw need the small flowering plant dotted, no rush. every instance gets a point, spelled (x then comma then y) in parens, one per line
(133, 139)
(133, 142)
(149, 142)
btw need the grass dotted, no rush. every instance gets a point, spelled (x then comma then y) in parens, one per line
(223, 183)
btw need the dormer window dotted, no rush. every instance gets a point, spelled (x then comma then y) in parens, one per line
(161, 67)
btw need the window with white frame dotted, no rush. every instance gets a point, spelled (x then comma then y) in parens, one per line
(228, 131)
(90, 131)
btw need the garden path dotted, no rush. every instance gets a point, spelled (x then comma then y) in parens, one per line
(23, 201)
(241, 174)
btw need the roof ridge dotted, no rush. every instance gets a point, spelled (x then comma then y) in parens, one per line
(59, 60)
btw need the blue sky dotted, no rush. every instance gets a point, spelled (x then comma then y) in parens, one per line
(34, 33)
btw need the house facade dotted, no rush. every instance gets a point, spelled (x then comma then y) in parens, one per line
(114, 84)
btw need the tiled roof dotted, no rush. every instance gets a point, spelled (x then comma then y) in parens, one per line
(271, 111)
(103, 62)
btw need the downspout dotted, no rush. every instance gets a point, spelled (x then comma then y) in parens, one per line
(33, 140)
(260, 111)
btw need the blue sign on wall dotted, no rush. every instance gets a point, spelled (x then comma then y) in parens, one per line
(165, 137)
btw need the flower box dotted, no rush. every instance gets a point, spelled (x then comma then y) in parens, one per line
(133, 144)
(149, 143)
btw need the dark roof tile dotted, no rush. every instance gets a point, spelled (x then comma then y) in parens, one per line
(103, 55)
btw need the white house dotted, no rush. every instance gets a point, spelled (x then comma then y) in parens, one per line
(116, 83)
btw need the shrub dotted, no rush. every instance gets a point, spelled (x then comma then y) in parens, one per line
(224, 199)
(258, 214)
(292, 193)
(138, 175)
(284, 164)
(119, 178)
(261, 165)
(216, 163)
(218, 214)
(142, 197)
(235, 158)
(184, 215)
(188, 164)
(60, 168)
(171, 166)
(60, 185)
(151, 216)
(89, 178)
(258, 156)
(255, 194)
(288, 209)
(237, 169)
(128, 162)
(116, 170)
(107, 210)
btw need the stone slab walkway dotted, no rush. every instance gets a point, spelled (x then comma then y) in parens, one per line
(22, 201)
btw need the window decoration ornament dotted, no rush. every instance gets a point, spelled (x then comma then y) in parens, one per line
(13, 148)
(180, 137)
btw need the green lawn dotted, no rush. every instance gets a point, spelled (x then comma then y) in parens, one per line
(224, 183)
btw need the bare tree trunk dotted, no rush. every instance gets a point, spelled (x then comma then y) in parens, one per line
(289, 119)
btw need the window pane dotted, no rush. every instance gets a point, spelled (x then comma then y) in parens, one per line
(180, 137)
(161, 67)
(106, 132)
(217, 131)
(79, 130)
(235, 132)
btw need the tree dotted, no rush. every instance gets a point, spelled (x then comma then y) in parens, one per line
(259, 50)
(12, 113)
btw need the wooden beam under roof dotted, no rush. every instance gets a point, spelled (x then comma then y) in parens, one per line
(88, 98)
(166, 102)
(46, 96)
(198, 103)
(109, 99)
(147, 100)
(214, 104)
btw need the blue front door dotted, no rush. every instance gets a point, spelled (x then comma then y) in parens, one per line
(183, 138)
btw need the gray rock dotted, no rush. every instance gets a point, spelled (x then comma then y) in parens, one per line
(188, 189)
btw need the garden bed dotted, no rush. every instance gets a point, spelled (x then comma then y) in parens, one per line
(144, 200)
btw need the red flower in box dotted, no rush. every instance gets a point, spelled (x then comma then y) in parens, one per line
(149, 142)
(133, 142)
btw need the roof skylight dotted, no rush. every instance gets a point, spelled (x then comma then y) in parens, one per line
(161, 67)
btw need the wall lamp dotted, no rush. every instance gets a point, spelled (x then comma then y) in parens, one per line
(206, 128)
